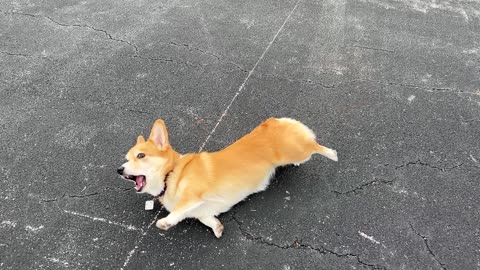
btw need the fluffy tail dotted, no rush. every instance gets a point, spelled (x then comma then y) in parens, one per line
(327, 152)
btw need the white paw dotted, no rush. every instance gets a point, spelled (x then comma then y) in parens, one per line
(218, 231)
(163, 224)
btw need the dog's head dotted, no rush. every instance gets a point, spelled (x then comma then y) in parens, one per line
(149, 161)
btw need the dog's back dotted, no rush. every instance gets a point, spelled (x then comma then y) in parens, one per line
(278, 141)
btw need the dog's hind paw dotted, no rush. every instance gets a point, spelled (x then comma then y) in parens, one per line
(218, 231)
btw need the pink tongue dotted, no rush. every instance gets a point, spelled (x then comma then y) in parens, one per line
(139, 182)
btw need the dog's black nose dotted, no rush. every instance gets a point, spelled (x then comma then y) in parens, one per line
(120, 170)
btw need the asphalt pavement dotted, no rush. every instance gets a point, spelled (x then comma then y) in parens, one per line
(393, 86)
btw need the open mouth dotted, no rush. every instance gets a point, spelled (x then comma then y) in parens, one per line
(139, 180)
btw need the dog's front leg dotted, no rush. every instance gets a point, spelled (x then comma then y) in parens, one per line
(178, 214)
(169, 221)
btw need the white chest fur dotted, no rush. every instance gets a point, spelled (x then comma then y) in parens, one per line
(167, 203)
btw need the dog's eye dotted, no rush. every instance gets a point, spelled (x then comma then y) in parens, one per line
(141, 155)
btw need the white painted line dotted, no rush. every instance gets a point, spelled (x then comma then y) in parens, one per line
(134, 250)
(364, 235)
(33, 229)
(55, 260)
(8, 223)
(248, 77)
(125, 226)
(129, 256)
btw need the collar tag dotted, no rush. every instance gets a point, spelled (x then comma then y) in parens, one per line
(149, 205)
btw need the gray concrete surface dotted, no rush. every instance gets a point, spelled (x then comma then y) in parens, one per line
(394, 86)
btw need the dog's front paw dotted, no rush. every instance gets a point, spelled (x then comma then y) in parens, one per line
(163, 224)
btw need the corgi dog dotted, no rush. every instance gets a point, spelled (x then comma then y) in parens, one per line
(204, 185)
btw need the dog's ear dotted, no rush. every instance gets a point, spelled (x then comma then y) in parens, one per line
(159, 134)
(140, 139)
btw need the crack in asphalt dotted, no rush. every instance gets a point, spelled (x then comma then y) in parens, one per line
(421, 163)
(159, 59)
(468, 120)
(194, 48)
(307, 81)
(418, 87)
(104, 32)
(363, 186)
(372, 48)
(108, 35)
(15, 54)
(83, 196)
(456, 91)
(54, 199)
(17, 13)
(135, 48)
(297, 245)
(427, 246)
(138, 111)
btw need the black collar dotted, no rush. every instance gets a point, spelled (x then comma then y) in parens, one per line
(165, 188)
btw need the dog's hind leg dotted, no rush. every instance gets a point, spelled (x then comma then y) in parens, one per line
(213, 223)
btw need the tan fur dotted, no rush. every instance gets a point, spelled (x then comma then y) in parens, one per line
(206, 184)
